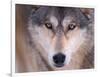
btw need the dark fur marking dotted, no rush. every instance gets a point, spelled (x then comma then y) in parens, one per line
(40, 15)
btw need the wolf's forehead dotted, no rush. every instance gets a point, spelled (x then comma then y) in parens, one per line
(61, 12)
(61, 15)
(65, 20)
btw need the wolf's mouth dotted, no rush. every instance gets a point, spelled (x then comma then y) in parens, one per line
(59, 65)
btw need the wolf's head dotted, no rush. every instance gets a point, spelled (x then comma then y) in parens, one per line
(61, 35)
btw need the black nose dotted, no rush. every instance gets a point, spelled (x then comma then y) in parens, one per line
(59, 59)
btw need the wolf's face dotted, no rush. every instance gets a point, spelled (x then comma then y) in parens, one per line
(61, 36)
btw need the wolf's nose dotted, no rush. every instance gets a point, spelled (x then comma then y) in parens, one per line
(59, 59)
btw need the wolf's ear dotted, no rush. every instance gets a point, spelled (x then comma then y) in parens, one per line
(39, 14)
(34, 8)
(88, 12)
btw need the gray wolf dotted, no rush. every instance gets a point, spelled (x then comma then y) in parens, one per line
(59, 38)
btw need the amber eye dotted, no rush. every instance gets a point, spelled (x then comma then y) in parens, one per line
(48, 25)
(71, 26)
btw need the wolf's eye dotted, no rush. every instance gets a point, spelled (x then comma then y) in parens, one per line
(71, 26)
(48, 25)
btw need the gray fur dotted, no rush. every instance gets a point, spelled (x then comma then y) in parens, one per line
(41, 14)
